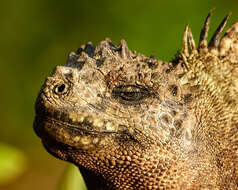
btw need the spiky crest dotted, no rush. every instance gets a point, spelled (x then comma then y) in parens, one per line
(202, 45)
(188, 45)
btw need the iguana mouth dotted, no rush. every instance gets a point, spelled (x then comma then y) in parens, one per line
(72, 133)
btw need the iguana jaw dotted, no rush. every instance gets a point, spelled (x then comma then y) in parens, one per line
(80, 135)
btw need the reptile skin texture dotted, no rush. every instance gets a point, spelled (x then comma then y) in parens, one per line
(132, 122)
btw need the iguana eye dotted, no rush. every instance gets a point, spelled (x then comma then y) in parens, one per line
(130, 94)
(60, 89)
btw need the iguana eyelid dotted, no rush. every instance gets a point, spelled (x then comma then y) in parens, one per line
(130, 93)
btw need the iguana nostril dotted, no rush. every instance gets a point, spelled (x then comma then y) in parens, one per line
(59, 89)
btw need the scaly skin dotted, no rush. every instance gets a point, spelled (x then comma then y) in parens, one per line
(132, 122)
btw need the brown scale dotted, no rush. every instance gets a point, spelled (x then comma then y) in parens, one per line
(131, 122)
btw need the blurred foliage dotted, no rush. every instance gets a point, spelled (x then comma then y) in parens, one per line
(37, 35)
(72, 179)
(12, 163)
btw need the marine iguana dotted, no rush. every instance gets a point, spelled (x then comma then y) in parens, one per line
(133, 122)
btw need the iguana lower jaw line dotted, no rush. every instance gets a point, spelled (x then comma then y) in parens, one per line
(80, 133)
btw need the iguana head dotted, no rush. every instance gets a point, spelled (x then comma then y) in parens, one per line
(140, 123)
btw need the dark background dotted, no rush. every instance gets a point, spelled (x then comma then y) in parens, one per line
(37, 35)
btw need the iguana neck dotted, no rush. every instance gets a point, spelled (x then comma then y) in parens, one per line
(93, 181)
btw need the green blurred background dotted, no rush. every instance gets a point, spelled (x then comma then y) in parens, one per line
(37, 35)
